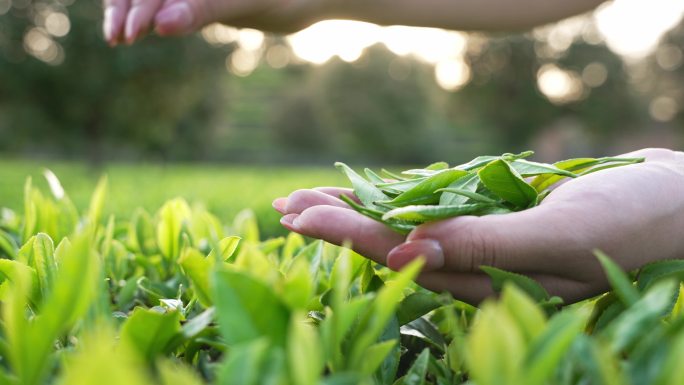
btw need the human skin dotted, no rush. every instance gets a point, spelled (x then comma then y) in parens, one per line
(126, 21)
(633, 213)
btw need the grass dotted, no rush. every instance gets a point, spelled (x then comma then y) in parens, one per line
(223, 190)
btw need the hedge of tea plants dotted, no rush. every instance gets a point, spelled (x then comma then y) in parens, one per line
(178, 297)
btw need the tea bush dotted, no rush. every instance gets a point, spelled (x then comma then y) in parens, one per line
(177, 297)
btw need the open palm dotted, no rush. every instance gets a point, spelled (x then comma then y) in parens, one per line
(634, 213)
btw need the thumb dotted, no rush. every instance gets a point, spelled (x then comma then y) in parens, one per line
(536, 240)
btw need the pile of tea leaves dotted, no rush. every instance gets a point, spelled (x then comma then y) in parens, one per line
(485, 185)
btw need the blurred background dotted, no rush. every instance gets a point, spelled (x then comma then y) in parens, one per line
(193, 116)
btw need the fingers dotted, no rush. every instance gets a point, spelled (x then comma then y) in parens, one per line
(474, 288)
(339, 191)
(336, 225)
(655, 154)
(301, 200)
(140, 18)
(179, 17)
(114, 20)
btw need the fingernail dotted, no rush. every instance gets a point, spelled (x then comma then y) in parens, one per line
(132, 27)
(289, 221)
(108, 25)
(176, 18)
(403, 254)
(279, 204)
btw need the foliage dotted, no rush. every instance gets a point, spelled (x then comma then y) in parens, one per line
(485, 185)
(169, 299)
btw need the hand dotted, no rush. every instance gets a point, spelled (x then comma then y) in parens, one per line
(633, 213)
(128, 20)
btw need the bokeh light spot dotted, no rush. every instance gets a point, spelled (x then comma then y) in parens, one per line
(594, 74)
(663, 109)
(558, 85)
(57, 24)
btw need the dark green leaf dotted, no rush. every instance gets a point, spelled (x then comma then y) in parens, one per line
(501, 179)
(528, 285)
(621, 283)
(424, 192)
(417, 372)
(415, 306)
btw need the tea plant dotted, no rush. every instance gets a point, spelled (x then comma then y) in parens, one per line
(485, 185)
(177, 297)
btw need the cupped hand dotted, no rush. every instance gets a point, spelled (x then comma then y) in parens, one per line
(633, 213)
(125, 21)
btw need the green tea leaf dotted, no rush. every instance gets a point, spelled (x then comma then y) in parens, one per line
(381, 311)
(373, 177)
(467, 183)
(527, 168)
(100, 360)
(618, 279)
(501, 179)
(576, 166)
(415, 306)
(424, 213)
(171, 218)
(246, 363)
(529, 317)
(297, 286)
(652, 272)
(546, 352)
(528, 285)
(416, 374)
(97, 201)
(43, 256)
(150, 332)
(470, 195)
(643, 315)
(247, 309)
(376, 354)
(424, 192)
(364, 190)
(174, 373)
(198, 268)
(477, 163)
(227, 247)
(423, 329)
(198, 324)
(495, 348)
(305, 356)
(8, 245)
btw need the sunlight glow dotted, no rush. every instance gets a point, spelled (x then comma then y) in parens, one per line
(452, 74)
(327, 39)
(250, 39)
(633, 28)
